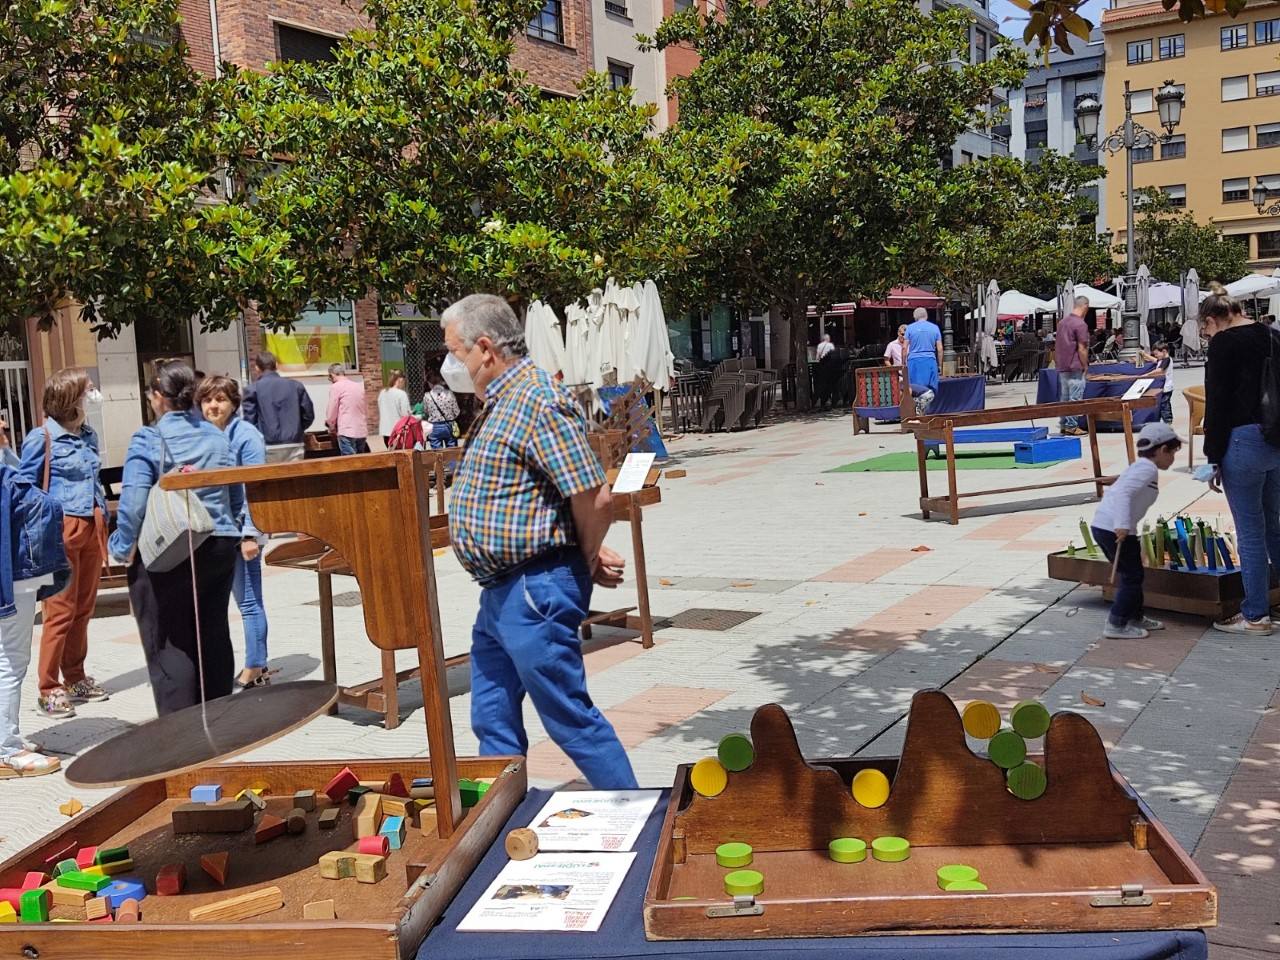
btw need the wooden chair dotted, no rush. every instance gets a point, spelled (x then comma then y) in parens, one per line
(1195, 420)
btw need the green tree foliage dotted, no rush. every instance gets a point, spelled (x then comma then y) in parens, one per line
(1171, 241)
(1055, 22)
(830, 119)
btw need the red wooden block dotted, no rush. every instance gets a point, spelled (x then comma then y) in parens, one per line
(215, 865)
(171, 879)
(62, 853)
(395, 787)
(337, 787)
(85, 857)
(269, 827)
(12, 896)
(33, 879)
(377, 845)
(107, 919)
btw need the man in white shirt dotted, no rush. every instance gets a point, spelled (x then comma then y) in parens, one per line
(825, 347)
(895, 354)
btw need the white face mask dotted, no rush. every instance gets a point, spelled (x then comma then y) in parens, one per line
(456, 375)
(93, 397)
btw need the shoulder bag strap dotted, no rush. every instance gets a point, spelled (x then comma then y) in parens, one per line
(48, 458)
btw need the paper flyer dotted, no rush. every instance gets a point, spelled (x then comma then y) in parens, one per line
(553, 891)
(593, 819)
(633, 472)
(1137, 389)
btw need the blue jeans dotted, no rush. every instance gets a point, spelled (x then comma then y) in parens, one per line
(525, 639)
(1251, 481)
(15, 657)
(1127, 605)
(1166, 406)
(350, 445)
(441, 435)
(1070, 387)
(247, 589)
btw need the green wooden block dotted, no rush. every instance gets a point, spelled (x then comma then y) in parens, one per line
(35, 906)
(68, 865)
(847, 850)
(471, 791)
(743, 883)
(973, 886)
(355, 793)
(79, 880)
(890, 849)
(1030, 719)
(733, 854)
(1026, 781)
(956, 873)
(735, 752)
(111, 854)
(1006, 749)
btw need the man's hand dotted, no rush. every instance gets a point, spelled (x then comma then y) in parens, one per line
(607, 568)
(249, 549)
(1121, 534)
(1215, 482)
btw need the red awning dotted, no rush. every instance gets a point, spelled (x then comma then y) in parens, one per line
(906, 298)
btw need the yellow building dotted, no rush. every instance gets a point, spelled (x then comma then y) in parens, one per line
(1230, 70)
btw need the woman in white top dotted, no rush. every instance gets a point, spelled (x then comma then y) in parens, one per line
(393, 403)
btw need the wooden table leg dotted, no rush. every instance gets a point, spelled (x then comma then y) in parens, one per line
(390, 691)
(1126, 415)
(952, 492)
(328, 657)
(642, 576)
(1093, 448)
(924, 476)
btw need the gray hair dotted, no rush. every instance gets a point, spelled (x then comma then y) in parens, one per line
(336, 370)
(484, 315)
(1082, 302)
(920, 314)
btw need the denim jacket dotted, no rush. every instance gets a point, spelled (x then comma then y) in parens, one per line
(248, 449)
(188, 442)
(74, 463)
(30, 535)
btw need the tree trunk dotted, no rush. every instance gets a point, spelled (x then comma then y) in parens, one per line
(779, 338)
(800, 353)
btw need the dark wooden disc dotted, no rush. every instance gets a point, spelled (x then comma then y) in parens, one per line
(177, 741)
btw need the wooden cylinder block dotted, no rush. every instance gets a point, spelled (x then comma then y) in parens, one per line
(981, 720)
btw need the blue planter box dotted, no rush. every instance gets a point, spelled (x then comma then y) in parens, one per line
(1050, 448)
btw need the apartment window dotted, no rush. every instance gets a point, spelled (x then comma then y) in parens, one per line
(966, 158)
(619, 74)
(1235, 190)
(979, 47)
(548, 23)
(1174, 148)
(1141, 101)
(1267, 84)
(1235, 88)
(295, 44)
(1269, 244)
(1143, 154)
(1233, 38)
(1140, 51)
(1268, 135)
(1266, 31)
(1171, 47)
(1037, 138)
(617, 8)
(1177, 194)
(683, 5)
(1235, 138)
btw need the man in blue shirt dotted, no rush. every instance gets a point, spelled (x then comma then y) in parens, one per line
(924, 352)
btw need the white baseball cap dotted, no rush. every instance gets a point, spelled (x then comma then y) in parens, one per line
(1156, 434)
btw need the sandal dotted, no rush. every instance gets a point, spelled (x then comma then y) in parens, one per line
(261, 680)
(27, 763)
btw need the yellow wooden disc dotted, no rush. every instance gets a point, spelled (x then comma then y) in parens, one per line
(870, 787)
(981, 720)
(708, 777)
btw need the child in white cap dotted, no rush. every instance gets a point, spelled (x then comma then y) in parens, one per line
(1116, 524)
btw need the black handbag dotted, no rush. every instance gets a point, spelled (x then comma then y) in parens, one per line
(1269, 400)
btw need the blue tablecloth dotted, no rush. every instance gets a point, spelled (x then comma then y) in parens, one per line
(958, 394)
(622, 933)
(1047, 390)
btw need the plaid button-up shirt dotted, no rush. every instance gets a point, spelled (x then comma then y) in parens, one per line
(525, 457)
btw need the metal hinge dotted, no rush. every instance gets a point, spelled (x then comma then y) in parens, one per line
(1131, 895)
(424, 881)
(742, 906)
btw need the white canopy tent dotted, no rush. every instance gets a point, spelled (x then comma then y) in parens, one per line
(1014, 304)
(1162, 296)
(1098, 299)
(1255, 285)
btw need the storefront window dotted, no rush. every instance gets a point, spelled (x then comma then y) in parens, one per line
(722, 329)
(324, 333)
(680, 331)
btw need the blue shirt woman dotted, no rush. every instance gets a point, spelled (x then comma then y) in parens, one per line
(74, 462)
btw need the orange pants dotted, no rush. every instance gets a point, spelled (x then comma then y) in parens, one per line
(64, 636)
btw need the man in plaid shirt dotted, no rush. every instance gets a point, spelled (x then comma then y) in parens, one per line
(527, 516)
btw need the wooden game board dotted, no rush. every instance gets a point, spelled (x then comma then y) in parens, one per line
(1086, 855)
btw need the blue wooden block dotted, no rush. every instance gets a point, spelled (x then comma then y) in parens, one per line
(394, 830)
(1047, 450)
(126, 888)
(206, 793)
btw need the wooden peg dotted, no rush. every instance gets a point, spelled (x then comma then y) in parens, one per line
(296, 822)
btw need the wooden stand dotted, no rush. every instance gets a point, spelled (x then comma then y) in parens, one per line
(873, 384)
(941, 429)
(1086, 855)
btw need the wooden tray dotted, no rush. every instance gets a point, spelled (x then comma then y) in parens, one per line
(1087, 855)
(387, 920)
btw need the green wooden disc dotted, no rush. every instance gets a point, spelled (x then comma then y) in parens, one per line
(735, 752)
(847, 850)
(890, 849)
(971, 885)
(954, 873)
(733, 854)
(1026, 781)
(1030, 719)
(1006, 749)
(744, 882)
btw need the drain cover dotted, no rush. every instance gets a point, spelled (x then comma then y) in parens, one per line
(708, 618)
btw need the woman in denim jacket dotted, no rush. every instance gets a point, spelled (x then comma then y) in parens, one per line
(164, 604)
(65, 450)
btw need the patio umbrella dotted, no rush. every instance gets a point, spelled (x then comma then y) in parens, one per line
(1144, 306)
(542, 335)
(620, 309)
(1190, 330)
(649, 347)
(1014, 305)
(1255, 285)
(576, 347)
(1066, 298)
(1162, 296)
(991, 309)
(602, 334)
(1098, 299)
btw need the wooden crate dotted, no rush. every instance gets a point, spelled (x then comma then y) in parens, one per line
(1057, 863)
(387, 920)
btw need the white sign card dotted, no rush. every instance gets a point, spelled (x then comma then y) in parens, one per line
(1137, 389)
(633, 472)
(552, 891)
(593, 819)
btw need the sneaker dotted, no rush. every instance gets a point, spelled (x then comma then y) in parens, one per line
(1149, 623)
(1239, 624)
(27, 763)
(86, 690)
(1128, 631)
(55, 705)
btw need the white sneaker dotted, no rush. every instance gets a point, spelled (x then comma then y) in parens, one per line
(1238, 624)
(1127, 632)
(1149, 623)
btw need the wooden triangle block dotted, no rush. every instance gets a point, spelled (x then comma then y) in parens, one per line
(269, 827)
(215, 865)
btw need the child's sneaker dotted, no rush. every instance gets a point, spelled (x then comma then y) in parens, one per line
(86, 690)
(1149, 623)
(55, 704)
(1240, 624)
(1128, 631)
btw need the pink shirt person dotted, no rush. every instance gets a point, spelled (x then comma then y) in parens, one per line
(346, 415)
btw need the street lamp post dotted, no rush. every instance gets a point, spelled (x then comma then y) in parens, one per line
(1130, 136)
(1261, 194)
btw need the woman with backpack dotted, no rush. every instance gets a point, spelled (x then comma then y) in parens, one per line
(441, 409)
(393, 404)
(1246, 466)
(61, 457)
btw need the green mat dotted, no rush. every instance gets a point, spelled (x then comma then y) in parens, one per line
(905, 462)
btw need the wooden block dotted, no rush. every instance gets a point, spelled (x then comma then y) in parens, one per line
(674, 474)
(1026, 781)
(707, 777)
(470, 792)
(870, 788)
(109, 869)
(35, 906)
(253, 797)
(107, 919)
(328, 818)
(378, 846)
(206, 793)
(1030, 719)
(70, 808)
(12, 896)
(78, 880)
(215, 865)
(129, 911)
(122, 890)
(62, 866)
(66, 896)
(356, 792)
(269, 827)
(7, 913)
(305, 800)
(230, 816)
(365, 867)
(171, 879)
(36, 878)
(86, 856)
(337, 788)
(96, 908)
(68, 850)
(319, 910)
(244, 907)
(981, 720)
(111, 854)
(393, 828)
(395, 786)
(296, 822)
(368, 815)
(522, 843)
(398, 806)
(422, 788)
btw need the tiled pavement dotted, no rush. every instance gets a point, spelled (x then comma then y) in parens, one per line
(858, 603)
